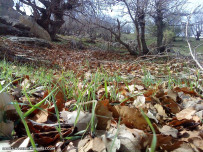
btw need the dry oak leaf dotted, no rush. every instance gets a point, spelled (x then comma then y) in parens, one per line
(83, 118)
(160, 110)
(185, 114)
(186, 91)
(172, 94)
(171, 104)
(131, 117)
(166, 142)
(167, 130)
(139, 101)
(6, 126)
(198, 142)
(148, 93)
(184, 147)
(131, 139)
(91, 144)
(104, 116)
(178, 124)
(41, 115)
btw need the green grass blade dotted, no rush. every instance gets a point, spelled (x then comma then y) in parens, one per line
(154, 139)
(2, 90)
(20, 113)
(39, 104)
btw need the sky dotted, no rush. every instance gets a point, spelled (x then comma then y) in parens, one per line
(192, 4)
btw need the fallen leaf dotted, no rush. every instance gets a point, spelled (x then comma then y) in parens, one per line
(186, 91)
(139, 87)
(25, 143)
(131, 117)
(185, 114)
(111, 141)
(131, 139)
(172, 94)
(167, 130)
(41, 115)
(6, 126)
(160, 110)
(198, 142)
(190, 124)
(92, 144)
(149, 93)
(170, 104)
(104, 116)
(139, 101)
(184, 147)
(80, 118)
(26, 83)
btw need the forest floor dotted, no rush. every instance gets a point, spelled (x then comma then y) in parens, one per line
(94, 100)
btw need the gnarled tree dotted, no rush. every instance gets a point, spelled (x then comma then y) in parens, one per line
(197, 25)
(137, 10)
(160, 11)
(49, 13)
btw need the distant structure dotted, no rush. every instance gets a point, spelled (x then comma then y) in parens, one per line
(6, 9)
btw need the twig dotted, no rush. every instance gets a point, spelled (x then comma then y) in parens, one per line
(189, 45)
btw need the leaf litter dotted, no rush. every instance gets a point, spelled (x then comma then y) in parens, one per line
(112, 121)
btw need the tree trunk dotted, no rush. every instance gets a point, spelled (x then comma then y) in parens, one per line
(54, 29)
(138, 37)
(132, 52)
(145, 50)
(50, 16)
(198, 35)
(160, 25)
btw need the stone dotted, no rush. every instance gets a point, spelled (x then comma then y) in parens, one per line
(21, 26)
(36, 29)
(12, 27)
(4, 20)
(30, 41)
(9, 30)
(76, 44)
(6, 9)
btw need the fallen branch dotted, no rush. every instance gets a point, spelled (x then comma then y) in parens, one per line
(189, 45)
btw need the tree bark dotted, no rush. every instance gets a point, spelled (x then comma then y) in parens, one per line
(50, 17)
(160, 29)
(138, 36)
(145, 50)
(159, 24)
(198, 34)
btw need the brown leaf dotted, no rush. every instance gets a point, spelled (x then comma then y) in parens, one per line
(170, 104)
(104, 116)
(186, 91)
(131, 117)
(6, 126)
(185, 114)
(167, 130)
(41, 115)
(92, 144)
(148, 93)
(198, 142)
(190, 124)
(160, 110)
(173, 95)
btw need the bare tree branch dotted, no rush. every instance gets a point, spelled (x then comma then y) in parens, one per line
(189, 45)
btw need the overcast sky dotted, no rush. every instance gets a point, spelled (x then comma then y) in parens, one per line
(192, 4)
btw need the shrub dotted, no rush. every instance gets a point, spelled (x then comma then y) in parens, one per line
(169, 36)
